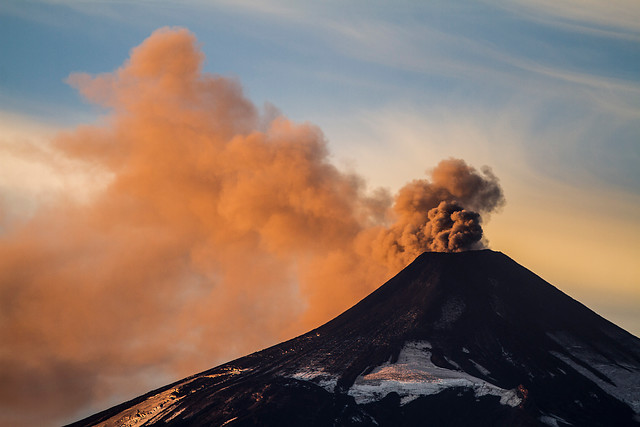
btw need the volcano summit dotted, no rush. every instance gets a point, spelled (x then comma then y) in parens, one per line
(468, 338)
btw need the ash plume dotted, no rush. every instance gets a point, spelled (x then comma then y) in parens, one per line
(223, 230)
(441, 215)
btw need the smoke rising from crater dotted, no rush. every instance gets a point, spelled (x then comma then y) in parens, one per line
(441, 215)
(223, 230)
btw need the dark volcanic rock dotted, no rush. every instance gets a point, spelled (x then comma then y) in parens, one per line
(463, 339)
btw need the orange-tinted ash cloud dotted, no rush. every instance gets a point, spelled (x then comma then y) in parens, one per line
(221, 232)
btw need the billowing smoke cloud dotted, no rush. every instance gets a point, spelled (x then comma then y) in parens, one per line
(441, 215)
(224, 229)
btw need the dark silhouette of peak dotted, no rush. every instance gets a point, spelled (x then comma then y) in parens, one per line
(468, 338)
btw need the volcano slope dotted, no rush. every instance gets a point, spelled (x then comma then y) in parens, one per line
(455, 339)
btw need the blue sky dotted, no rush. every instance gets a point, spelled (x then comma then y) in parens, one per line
(324, 62)
(535, 90)
(546, 93)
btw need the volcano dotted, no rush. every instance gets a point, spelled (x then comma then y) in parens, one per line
(455, 339)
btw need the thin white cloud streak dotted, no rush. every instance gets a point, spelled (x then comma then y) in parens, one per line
(621, 15)
(279, 9)
(616, 96)
(421, 48)
(618, 17)
(119, 10)
(426, 50)
(30, 10)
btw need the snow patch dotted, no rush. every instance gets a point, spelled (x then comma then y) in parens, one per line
(319, 377)
(452, 363)
(480, 368)
(625, 377)
(627, 390)
(414, 375)
(552, 420)
(547, 420)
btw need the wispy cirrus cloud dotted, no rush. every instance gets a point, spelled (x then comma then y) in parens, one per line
(421, 48)
(616, 18)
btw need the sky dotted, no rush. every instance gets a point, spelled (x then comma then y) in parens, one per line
(184, 182)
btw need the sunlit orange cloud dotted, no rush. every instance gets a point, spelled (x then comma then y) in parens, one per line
(221, 232)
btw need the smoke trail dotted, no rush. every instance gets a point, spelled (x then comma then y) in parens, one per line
(223, 230)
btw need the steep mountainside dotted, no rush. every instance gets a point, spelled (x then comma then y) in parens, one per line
(467, 338)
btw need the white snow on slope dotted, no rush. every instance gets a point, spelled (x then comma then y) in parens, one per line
(480, 368)
(414, 375)
(319, 377)
(625, 377)
(552, 420)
